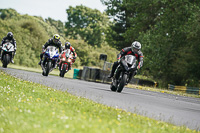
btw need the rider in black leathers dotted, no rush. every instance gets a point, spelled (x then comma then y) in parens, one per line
(9, 38)
(55, 41)
(133, 50)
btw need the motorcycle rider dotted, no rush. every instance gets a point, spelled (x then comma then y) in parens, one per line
(68, 46)
(9, 38)
(55, 41)
(135, 50)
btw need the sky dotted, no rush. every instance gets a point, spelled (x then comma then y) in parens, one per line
(55, 9)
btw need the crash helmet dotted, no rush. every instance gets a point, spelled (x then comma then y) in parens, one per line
(67, 45)
(56, 38)
(135, 46)
(10, 35)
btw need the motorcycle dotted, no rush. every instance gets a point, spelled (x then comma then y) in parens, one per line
(127, 67)
(7, 51)
(51, 56)
(66, 61)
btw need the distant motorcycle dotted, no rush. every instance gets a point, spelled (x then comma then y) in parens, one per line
(51, 56)
(123, 73)
(66, 61)
(7, 51)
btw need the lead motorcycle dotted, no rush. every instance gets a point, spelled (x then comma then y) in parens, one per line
(7, 51)
(51, 56)
(126, 68)
(66, 61)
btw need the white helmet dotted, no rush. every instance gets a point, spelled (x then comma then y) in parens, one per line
(135, 45)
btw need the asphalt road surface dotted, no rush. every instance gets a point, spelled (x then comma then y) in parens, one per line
(178, 110)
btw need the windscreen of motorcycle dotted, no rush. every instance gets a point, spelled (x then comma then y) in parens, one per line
(52, 51)
(130, 59)
(68, 52)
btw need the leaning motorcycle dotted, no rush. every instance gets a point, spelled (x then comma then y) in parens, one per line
(7, 51)
(51, 56)
(126, 68)
(66, 61)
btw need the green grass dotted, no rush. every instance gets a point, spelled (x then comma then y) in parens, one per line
(27, 107)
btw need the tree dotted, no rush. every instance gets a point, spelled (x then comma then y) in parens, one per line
(171, 45)
(57, 24)
(130, 18)
(91, 25)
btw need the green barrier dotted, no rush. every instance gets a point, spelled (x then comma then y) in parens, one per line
(191, 90)
(76, 72)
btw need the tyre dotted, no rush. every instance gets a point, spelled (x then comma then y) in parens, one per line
(48, 67)
(112, 87)
(63, 71)
(122, 82)
(6, 60)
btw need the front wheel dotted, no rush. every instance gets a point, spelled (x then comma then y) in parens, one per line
(122, 82)
(48, 67)
(63, 71)
(6, 60)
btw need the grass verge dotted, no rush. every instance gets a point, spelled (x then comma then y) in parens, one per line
(30, 107)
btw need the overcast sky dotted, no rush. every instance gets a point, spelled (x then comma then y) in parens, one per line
(55, 9)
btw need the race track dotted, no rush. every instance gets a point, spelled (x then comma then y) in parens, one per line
(170, 108)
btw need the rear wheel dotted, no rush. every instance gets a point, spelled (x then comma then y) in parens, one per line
(122, 82)
(112, 86)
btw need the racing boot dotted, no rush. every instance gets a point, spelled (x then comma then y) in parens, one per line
(39, 62)
(70, 67)
(12, 61)
(110, 75)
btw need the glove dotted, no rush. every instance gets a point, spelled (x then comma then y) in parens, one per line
(74, 58)
(43, 50)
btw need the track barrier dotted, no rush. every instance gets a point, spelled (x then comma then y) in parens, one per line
(98, 75)
(190, 90)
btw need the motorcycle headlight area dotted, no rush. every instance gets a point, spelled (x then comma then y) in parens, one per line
(68, 60)
(63, 59)
(51, 55)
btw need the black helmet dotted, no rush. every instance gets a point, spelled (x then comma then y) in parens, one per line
(56, 38)
(67, 45)
(10, 35)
